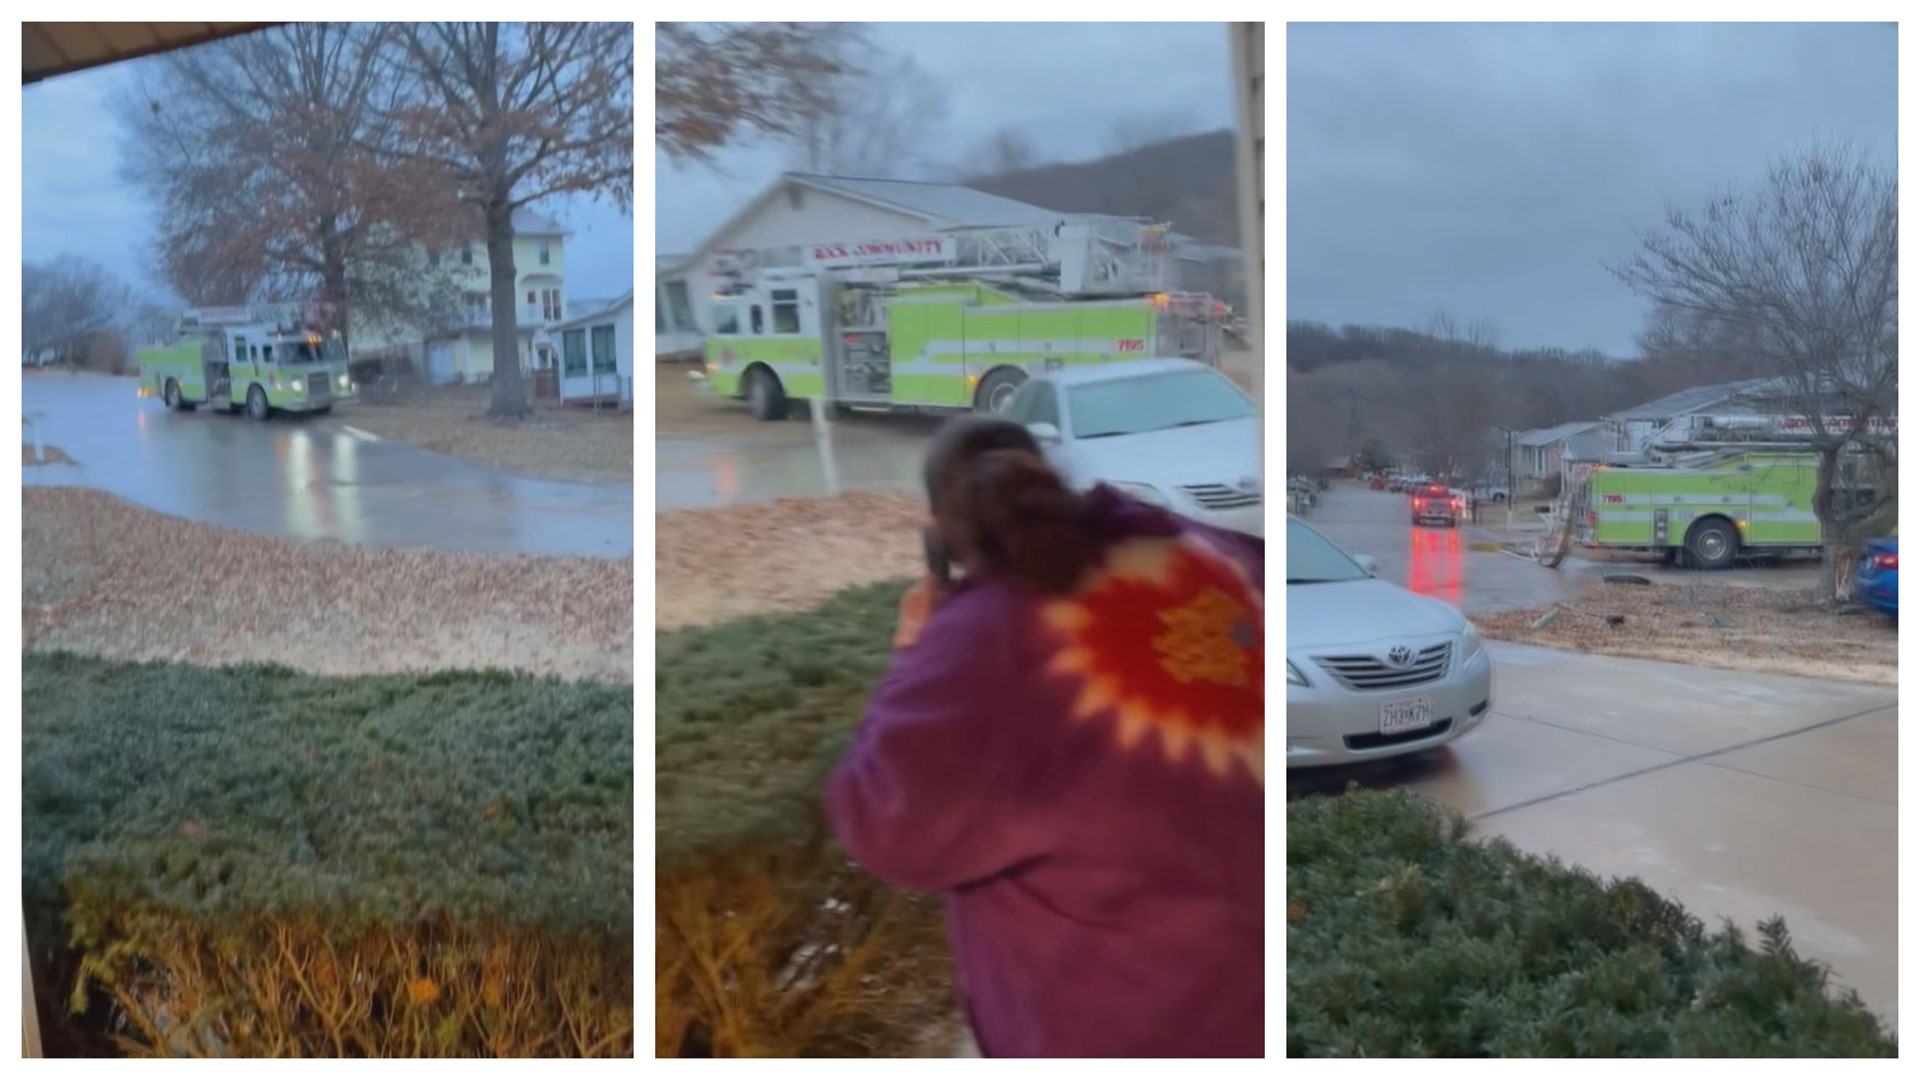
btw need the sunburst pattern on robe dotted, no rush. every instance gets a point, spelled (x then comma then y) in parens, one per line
(1168, 640)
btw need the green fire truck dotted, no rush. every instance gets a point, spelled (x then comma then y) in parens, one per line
(258, 358)
(1704, 509)
(956, 320)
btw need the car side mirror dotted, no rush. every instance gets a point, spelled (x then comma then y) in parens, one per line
(1046, 434)
(1369, 564)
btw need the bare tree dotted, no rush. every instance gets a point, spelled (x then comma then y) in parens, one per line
(65, 302)
(257, 151)
(873, 118)
(1806, 267)
(1009, 149)
(511, 115)
(1135, 130)
(714, 84)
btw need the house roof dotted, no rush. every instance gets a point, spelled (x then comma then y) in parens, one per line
(937, 205)
(1689, 400)
(607, 307)
(526, 222)
(1549, 436)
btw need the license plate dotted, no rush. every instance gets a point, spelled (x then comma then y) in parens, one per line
(1410, 714)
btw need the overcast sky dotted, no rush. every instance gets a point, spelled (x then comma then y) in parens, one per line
(1066, 87)
(1491, 169)
(75, 203)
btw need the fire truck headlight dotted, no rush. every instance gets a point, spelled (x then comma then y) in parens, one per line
(345, 383)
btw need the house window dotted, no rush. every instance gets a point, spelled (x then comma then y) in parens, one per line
(573, 347)
(530, 297)
(546, 252)
(679, 305)
(466, 255)
(786, 311)
(603, 350)
(726, 318)
(550, 304)
(759, 324)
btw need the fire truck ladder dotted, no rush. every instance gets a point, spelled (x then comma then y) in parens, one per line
(1116, 258)
(1569, 514)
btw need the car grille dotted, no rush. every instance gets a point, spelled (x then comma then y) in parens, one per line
(1221, 497)
(319, 386)
(1374, 673)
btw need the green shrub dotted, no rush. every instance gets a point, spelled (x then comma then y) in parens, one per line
(251, 860)
(1406, 939)
(768, 943)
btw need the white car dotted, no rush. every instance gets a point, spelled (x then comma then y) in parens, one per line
(1373, 670)
(1171, 432)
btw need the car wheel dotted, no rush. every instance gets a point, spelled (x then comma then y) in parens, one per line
(1712, 544)
(997, 390)
(257, 407)
(766, 398)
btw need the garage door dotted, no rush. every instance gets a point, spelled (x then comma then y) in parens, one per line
(440, 362)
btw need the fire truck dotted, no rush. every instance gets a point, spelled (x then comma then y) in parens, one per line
(261, 358)
(956, 319)
(1707, 493)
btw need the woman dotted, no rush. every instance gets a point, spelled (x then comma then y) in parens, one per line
(1069, 746)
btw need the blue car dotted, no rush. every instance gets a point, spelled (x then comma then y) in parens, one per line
(1876, 581)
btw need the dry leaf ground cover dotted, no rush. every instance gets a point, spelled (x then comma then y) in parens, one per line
(560, 442)
(1744, 629)
(51, 455)
(103, 577)
(791, 555)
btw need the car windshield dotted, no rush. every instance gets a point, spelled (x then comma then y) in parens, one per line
(1313, 560)
(1155, 403)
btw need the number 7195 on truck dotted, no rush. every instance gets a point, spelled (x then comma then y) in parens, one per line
(262, 359)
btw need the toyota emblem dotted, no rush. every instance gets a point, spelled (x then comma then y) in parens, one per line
(1399, 656)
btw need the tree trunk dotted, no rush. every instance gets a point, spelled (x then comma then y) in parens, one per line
(1832, 550)
(509, 389)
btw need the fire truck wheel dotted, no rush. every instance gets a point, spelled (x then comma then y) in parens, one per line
(1712, 544)
(997, 390)
(257, 408)
(172, 394)
(766, 399)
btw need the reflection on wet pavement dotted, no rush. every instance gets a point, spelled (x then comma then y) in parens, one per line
(1437, 561)
(312, 478)
(870, 453)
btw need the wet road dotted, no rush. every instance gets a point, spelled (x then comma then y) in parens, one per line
(779, 460)
(312, 479)
(1742, 795)
(1440, 562)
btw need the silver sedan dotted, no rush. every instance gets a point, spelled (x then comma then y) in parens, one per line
(1373, 670)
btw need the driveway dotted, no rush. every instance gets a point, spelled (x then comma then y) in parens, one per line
(1741, 795)
(311, 478)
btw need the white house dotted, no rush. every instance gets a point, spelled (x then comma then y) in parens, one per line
(596, 354)
(806, 208)
(676, 335)
(461, 349)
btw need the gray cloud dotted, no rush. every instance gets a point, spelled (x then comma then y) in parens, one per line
(1066, 86)
(75, 203)
(1491, 169)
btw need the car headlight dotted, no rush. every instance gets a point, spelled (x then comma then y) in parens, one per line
(1294, 678)
(1470, 643)
(1146, 493)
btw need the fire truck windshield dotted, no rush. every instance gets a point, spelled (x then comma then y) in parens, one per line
(309, 350)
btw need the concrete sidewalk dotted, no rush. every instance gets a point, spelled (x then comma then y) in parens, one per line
(1740, 795)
